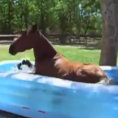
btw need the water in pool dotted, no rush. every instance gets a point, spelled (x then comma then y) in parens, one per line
(45, 97)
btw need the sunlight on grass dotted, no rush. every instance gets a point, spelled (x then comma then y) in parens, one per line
(80, 54)
(72, 53)
(4, 54)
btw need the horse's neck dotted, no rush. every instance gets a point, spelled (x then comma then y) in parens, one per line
(43, 49)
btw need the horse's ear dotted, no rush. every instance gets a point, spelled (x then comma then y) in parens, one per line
(34, 28)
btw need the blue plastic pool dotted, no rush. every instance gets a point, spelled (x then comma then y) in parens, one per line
(45, 97)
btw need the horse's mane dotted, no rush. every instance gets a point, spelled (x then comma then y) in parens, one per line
(48, 50)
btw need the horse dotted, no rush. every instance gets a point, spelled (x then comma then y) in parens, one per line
(51, 63)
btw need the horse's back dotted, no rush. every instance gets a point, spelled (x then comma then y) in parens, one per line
(90, 73)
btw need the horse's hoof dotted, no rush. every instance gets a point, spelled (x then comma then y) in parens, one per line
(19, 66)
(24, 62)
(28, 63)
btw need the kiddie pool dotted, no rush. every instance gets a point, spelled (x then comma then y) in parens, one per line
(38, 96)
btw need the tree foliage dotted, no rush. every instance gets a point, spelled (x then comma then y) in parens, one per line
(61, 16)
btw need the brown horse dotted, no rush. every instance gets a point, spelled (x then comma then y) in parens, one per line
(49, 62)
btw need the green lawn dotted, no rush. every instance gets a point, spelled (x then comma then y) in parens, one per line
(80, 54)
(72, 53)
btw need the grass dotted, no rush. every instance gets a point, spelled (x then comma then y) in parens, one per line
(80, 54)
(72, 53)
(4, 54)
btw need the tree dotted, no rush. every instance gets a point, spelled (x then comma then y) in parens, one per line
(60, 16)
(6, 15)
(110, 32)
(45, 13)
(68, 12)
(22, 13)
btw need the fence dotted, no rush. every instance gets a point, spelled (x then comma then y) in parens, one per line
(57, 38)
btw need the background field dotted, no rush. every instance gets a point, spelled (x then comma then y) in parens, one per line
(77, 54)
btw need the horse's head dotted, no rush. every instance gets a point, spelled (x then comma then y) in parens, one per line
(25, 41)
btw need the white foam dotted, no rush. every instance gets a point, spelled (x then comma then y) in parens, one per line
(56, 81)
(24, 76)
(109, 67)
(26, 69)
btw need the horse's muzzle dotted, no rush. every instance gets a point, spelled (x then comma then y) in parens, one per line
(12, 50)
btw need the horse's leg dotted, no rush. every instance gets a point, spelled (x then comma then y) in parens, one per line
(26, 63)
(82, 75)
(68, 76)
(91, 77)
(19, 66)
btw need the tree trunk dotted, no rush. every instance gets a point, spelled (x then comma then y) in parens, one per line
(110, 32)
